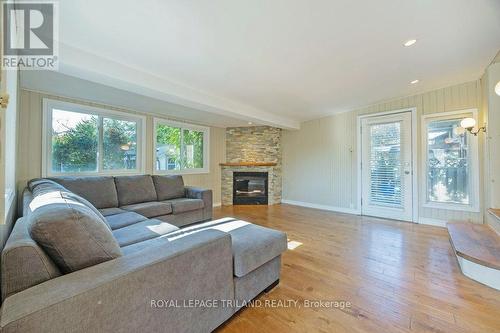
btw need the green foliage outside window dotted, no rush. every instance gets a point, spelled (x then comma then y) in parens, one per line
(75, 143)
(193, 153)
(75, 150)
(119, 144)
(183, 146)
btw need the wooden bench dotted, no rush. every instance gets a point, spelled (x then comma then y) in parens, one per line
(477, 248)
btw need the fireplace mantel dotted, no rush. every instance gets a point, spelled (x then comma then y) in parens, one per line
(249, 164)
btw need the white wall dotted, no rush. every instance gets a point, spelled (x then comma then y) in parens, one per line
(8, 147)
(30, 146)
(491, 106)
(320, 159)
(492, 78)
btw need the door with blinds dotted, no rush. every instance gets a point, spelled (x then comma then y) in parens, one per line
(386, 167)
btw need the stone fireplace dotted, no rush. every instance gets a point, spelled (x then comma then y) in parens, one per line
(251, 153)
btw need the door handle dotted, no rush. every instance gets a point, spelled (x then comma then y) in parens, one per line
(407, 167)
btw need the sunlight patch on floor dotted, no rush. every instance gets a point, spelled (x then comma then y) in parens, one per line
(292, 245)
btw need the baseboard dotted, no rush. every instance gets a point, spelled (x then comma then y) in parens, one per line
(493, 221)
(216, 204)
(431, 221)
(323, 207)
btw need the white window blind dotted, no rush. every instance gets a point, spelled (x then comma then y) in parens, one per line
(386, 187)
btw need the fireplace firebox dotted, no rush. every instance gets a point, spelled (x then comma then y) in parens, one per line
(250, 188)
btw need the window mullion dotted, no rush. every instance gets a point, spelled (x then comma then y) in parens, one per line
(100, 145)
(182, 166)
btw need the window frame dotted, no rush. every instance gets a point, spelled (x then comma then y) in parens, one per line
(474, 202)
(183, 126)
(50, 104)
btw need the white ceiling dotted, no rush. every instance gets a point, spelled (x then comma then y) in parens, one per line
(277, 62)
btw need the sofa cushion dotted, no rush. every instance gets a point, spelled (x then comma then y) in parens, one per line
(111, 211)
(78, 198)
(135, 189)
(71, 233)
(150, 209)
(182, 205)
(183, 219)
(121, 220)
(39, 185)
(46, 186)
(99, 191)
(142, 231)
(169, 187)
(253, 245)
(24, 264)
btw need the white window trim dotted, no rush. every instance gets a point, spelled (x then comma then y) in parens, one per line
(474, 204)
(50, 104)
(206, 143)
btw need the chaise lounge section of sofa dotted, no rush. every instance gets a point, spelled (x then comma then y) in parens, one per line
(95, 253)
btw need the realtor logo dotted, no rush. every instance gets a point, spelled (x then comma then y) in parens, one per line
(30, 34)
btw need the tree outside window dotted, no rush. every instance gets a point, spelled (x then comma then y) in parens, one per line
(78, 146)
(179, 148)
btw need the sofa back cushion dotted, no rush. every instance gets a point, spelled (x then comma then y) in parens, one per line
(169, 187)
(24, 264)
(42, 186)
(69, 231)
(99, 191)
(135, 189)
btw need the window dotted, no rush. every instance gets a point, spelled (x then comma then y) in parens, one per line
(85, 140)
(180, 148)
(451, 163)
(386, 186)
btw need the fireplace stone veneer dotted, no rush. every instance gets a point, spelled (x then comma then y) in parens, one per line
(252, 149)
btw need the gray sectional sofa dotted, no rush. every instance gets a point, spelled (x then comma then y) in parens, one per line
(130, 254)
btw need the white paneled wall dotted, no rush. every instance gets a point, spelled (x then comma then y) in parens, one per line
(30, 144)
(320, 159)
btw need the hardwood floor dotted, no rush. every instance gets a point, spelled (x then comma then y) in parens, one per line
(398, 276)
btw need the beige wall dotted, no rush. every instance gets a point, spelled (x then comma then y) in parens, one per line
(30, 147)
(320, 159)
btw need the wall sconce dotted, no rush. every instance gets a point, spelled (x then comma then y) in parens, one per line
(469, 123)
(497, 88)
(4, 100)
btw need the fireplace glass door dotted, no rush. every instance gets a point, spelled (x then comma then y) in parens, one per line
(250, 188)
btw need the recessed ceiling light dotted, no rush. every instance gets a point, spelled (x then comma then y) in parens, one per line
(410, 42)
(250, 123)
(414, 82)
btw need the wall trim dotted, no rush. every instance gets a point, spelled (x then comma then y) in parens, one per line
(216, 204)
(322, 207)
(431, 221)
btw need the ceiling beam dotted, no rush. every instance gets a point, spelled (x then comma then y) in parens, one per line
(88, 66)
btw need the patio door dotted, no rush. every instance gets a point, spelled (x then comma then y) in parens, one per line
(386, 169)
